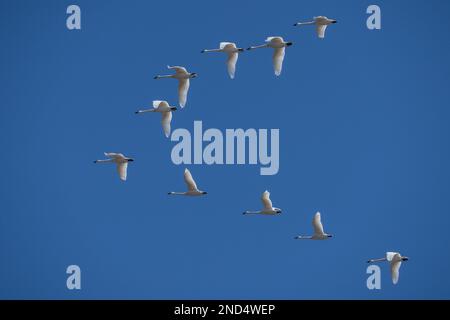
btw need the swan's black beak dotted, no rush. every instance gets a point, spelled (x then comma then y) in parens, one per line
(249, 48)
(155, 77)
(330, 236)
(204, 192)
(334, 21)
(203, 51)
(240, 49)
(173, 108)
(289, 44)
(130, 160)
(194, 74)
(405, 259)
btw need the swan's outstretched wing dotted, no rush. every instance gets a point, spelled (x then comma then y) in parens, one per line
(267, 203)
(320, 28)
(231, 63)
(122, 170)
(165, 121)
(192, 186)
(114, 155)
(278, 57)
(161, 104)
(178, 69)
(317, 224)
(395, 270)
(110, 154)
(226, 45)
(183, 88)
(390, 255)
(275, 40)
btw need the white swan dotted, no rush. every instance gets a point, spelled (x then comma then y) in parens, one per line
(191, 185)
(279, 45)
(319, 234)
(232, 51)
(395, 260)
(183, 82)
(120, 160)
(267, 206)
(321, 23)
(166, 111)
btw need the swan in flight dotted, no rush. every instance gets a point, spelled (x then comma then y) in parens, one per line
(183, 82)
(191, 185)
(232, 51)
(318, 230)
(321, 23)
(279, 45)
(166, 112)
(395, 260)
(120, 160)
(267, 206)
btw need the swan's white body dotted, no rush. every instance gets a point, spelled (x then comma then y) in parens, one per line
(395, 259)
(183, 76)
(267, 209)
(279, 46)
(321, 23)
(233, 53)
(166, 114)
(120, 160)
(319, 234)
(191, 186)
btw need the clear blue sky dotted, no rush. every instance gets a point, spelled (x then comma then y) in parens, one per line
(364, 138)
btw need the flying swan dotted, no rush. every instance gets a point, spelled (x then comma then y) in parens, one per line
(120, 160)
(166, 112)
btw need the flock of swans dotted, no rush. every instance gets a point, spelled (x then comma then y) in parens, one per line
(183, 76)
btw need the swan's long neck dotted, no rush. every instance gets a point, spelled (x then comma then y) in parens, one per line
(177, 193)
(252, 212)
(376, 260)
(303, 237)
(164, 76)
(104, 161)
(257, 47)
(304, 23)
(147, 110)
(212, 50)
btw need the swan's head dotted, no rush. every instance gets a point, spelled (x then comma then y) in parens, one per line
(333, 21)
(130, 159)
(277, 210)
(289, 44)
(329, 236)
(405, 258)
(173, 108)
(204, 192)
(193, 75)
(240, 49)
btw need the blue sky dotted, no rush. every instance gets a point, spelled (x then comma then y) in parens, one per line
(364, 139)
